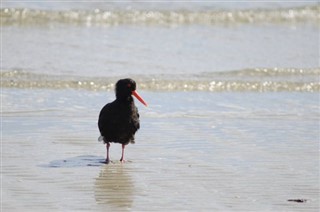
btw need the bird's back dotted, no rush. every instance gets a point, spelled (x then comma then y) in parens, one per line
(118, 122)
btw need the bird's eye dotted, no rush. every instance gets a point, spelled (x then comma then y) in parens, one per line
(129, 85)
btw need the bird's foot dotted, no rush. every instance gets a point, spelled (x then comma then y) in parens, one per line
(122, 160)
(107, 161)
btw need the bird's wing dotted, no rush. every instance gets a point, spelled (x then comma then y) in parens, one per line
(137, 122)
(105, 116)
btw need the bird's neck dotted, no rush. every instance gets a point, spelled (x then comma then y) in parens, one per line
(125, 99)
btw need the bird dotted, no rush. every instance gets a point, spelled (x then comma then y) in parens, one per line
(119, 120)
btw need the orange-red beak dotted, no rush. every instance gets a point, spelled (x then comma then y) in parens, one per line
(135, 94)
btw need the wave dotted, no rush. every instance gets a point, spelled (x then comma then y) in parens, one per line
(24, 16)
(253, 80)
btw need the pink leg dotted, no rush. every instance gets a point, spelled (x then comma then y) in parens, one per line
(108, 158)
(122, 155)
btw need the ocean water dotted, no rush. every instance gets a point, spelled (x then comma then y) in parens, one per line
(233, 116)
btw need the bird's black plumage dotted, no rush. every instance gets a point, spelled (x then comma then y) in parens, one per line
(119, 120)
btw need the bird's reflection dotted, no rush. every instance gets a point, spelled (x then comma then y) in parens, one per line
(114, 186)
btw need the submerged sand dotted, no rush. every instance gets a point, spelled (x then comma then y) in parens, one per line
(211, 152)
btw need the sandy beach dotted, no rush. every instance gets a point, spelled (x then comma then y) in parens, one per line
(215, 154)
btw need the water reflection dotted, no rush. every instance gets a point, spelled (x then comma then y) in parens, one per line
(114, 186)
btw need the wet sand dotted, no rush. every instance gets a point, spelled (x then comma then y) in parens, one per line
(196, 151)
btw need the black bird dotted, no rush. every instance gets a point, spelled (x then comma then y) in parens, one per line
(119, 120)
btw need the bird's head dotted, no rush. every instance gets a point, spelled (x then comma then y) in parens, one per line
(127, 87)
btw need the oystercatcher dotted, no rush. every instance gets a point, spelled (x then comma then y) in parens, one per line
(119, 120)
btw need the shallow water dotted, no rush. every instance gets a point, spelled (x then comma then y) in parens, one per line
(184, 50)
(199, 150)
(105, 40)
